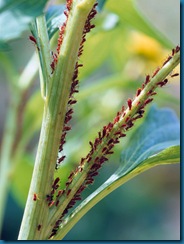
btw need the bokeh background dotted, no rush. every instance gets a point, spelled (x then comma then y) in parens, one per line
(116, 59)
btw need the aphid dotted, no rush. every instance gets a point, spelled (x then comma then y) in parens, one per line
(147, 79)
(148, 101)
(176, 74)
(61, 159)
(35, 197)
(127, 119)
(138, 92)
(50, 204)
(89, 159)
(110, 141)
(104, 149)
(68, 192)
(33, 39)
(57, 202)
(55, 187)
(56, 181)
(173, 52)
(91, 144)
(49, 197)
(72, 101)
(153, 93)
(162, 83)
(80, 169)
(155, 72)
(177, 49)
(39, 227)
(96, 159)
(167, 60)
(116, 120)
(122, 135)
(141, 111)
(67, 128)
(59, 193)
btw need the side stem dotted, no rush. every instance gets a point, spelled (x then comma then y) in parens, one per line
(37, 212)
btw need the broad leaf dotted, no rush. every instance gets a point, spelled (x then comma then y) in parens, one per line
(159, 131)
(16, 16)
(55, 17)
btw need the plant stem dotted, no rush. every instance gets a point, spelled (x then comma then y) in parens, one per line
(105, 189)
(44, 54)
(36, 212)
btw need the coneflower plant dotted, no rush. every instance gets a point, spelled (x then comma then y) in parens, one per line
(51, 209)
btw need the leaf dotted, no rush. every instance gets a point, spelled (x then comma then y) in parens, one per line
(159, 131)
(55, 17)
(16, 16)
(101, 4)
(129, 14)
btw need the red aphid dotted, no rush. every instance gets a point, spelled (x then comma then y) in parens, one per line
(59, 193)
(167, 60)
(35, 197)
(129, 101)
(138, 92)
(57, 202)
(33, 39)
(147, 79)
(155, 72)
(56, 180)
(68, 192)
(50, 204)
(177, 49)
(176, 74)
(148, 101)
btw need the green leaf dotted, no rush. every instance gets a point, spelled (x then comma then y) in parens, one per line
(129, 14)
(101, 4)
(16, 16)
(159, 131)
(55, 17)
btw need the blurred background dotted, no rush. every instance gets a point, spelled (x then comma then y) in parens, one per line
(130, 40)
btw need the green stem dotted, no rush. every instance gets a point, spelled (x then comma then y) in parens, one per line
(36, 212)
(109, 186)
(44, 54)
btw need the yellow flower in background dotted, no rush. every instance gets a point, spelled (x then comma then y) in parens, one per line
(146, 47)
